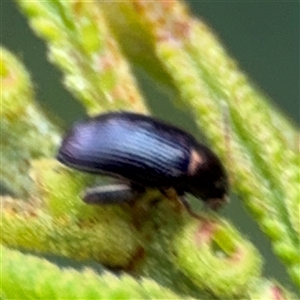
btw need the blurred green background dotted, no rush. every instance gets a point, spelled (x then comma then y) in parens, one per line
(262, 36)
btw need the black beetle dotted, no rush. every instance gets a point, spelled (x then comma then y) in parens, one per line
(143, 152)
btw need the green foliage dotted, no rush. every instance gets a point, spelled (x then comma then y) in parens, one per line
(25, 128)
(220, 247)
(66, 283)
(164, 257)
(82, 46)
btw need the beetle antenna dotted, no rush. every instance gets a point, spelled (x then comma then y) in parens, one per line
(227, 135)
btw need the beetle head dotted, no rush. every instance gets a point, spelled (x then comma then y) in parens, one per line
(207, 178)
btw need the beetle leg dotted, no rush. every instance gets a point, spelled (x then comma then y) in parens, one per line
(174, 196)
(110, 194)
(179, 197)
(188, 208)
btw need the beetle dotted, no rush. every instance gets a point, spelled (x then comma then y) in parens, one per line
(143, 152)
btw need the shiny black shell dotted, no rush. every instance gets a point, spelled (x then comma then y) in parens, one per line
(146, 152)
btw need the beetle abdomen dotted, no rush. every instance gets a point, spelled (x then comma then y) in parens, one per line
(130, 146)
